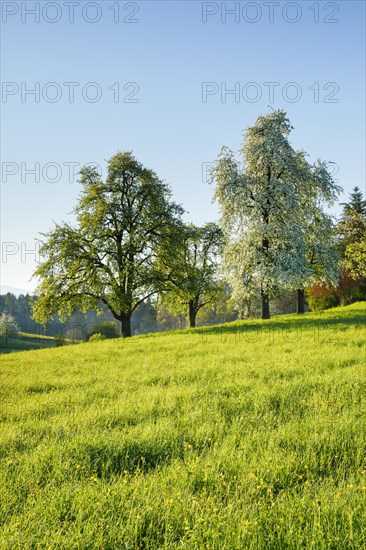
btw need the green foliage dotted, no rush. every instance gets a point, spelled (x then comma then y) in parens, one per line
(20, 308)
(110, 256)
(191, 261)
(352, 230)
(352, 226)
(97, 337)
(107, 329)
(249, 435)
(60, 340)
(355, 258)
(319, 301)
(347, 291)
(356, 204)
(74, 327)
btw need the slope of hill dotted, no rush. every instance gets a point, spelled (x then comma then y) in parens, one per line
(24, 341)
(249, 435)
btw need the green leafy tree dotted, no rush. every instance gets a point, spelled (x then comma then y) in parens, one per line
(192, 262)
(352, 229)
(356, 204)
(355, 259)
(352, 226)
(263, 210)
(110, 256)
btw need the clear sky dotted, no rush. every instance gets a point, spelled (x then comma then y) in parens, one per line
(154, 78)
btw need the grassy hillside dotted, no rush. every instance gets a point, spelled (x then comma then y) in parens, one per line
(250, 435)
(24, 341)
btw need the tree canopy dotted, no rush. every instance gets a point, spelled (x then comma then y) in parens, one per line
(356, 204)
(129, 249)
(270, 210)
(110, 255)
(352, 228)
(191, 261)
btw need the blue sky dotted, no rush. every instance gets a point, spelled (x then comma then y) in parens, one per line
(311, 52)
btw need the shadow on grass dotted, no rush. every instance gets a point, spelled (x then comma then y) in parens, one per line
(109, 460)
(22, 343)
(41, 388)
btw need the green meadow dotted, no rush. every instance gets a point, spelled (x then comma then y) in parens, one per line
(250, 435)
(24, 341)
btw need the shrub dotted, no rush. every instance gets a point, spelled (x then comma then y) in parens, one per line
(60, 340)
(108, 329)
(324, 301)
(348, 290)
(96, 337)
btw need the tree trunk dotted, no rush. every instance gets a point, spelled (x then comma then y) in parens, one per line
(249, 307)
(300, 302)
(265, 248)
(192, 314)
(265, 305)
(126, 325)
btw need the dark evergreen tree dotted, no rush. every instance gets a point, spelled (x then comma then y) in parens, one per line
(356, 204)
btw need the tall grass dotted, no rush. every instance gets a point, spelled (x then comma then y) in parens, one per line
(251, 435)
